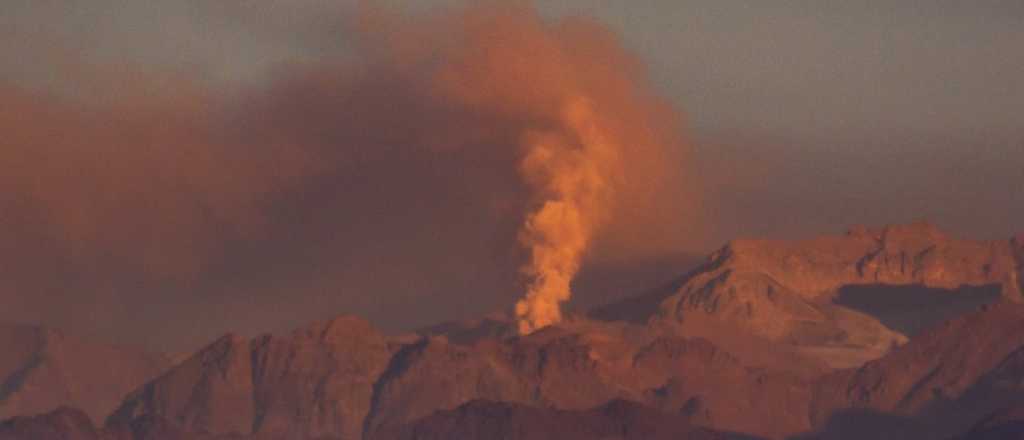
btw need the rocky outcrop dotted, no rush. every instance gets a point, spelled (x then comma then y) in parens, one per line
(786, 291)
(341, 379)
(211, 391)
(747, 344)
(712, 388)
(576, 366)
(42, 369)
(344, 380)
(945, 379)
(434, 374)
(580, 364)
(325, 374)
(316, 382)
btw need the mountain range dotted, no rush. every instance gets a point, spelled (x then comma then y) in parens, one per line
(896, 332)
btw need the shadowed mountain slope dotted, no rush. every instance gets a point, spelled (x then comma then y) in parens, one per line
(773, 288)
(616, 420)
(824, 297)
(42, 369)
(344, 380)
(316, 382)
(768, 339)
(942, 382)
(1005, 424)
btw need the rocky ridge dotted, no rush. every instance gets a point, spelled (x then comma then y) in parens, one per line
(788, 291)
(316, 382)
(942, 382)
(707, 354)
(343, 379)
(42, 369)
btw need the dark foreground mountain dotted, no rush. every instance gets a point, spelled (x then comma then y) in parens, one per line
(616, 420)
(71, 424)
(1005, 424)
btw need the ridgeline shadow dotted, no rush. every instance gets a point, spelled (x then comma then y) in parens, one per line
(912, 308)
(860, 424)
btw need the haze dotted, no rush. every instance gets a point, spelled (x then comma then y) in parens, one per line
(134, 200)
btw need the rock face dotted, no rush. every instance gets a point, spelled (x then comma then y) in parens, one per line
(317, 382)
(760, 341)
(326, 372)
(584, 378)
(712, 388)
(42, 369)
(944, 380)
(616, 420)
(581, 364)
(343, 380)
(786, 291)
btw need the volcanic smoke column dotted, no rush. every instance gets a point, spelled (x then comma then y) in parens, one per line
(574, 172)
(563, 103)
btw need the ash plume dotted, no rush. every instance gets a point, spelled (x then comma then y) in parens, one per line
(513, 145)
(589, 132)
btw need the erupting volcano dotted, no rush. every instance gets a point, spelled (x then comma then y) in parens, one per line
(469, 220)
(590, 135)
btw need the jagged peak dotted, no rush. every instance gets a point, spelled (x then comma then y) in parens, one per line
(342, 326)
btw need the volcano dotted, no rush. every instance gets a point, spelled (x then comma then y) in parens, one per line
(766, 339)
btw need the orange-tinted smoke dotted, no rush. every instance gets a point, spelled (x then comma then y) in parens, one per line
(593, 139)
(486, 123)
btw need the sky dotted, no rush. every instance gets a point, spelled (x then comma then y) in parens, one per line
(183, 169)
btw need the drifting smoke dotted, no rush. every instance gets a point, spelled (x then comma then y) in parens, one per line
(463, 132)
(588, 130)
(589, 133)
(575, 177)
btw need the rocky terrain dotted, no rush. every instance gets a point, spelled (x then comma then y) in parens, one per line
(318, 381)
(343, 379)
(798, 294)
(42, 369)
(942, 382)
(759, 342)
